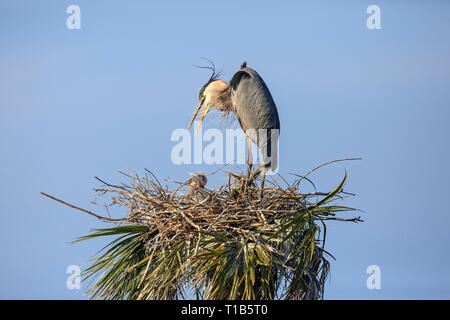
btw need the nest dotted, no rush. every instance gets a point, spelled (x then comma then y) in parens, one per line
(235, 209)
(266, 243)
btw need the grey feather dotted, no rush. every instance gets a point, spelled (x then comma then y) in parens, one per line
(256, 112)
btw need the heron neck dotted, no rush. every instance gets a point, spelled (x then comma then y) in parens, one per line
(222, 100)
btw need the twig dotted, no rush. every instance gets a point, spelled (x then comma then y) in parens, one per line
(81, 209)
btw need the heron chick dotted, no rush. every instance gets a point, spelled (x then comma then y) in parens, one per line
(197, 190)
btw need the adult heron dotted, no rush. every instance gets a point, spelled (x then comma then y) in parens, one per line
(249, 99)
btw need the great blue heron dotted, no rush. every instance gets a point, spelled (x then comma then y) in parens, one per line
(249, 99)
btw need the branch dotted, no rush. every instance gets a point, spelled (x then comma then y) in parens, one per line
(81, 209)
(357, 219)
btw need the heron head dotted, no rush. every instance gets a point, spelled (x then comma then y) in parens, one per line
(207, 97)
(211, 95)
(197, 180)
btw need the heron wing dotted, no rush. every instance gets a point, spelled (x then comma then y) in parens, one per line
(255, 109)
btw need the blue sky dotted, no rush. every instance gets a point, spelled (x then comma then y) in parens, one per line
(75, 104)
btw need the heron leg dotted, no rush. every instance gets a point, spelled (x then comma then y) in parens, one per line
(250, 157)
(263, 178)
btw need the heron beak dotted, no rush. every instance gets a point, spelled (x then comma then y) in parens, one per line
(197, 109)
(204, 113)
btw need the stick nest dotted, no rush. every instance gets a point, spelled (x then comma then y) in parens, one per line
(235, 209)
(237, 241)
